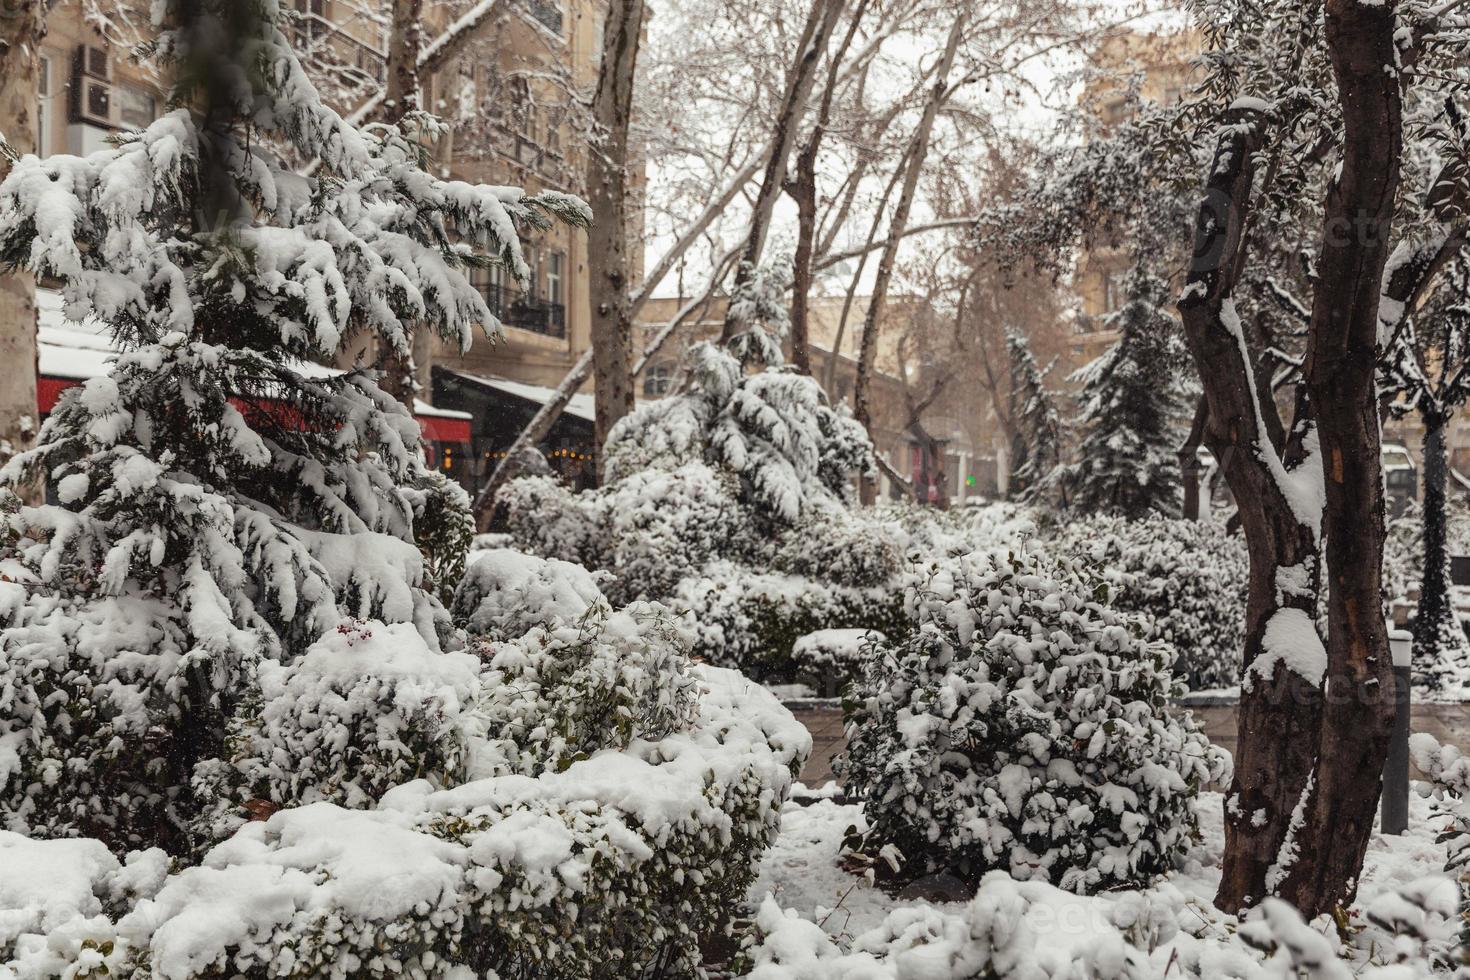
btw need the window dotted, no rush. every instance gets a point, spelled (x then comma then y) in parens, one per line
(658, 379)
(553, 131)
(554, 275)
(43, 108)
(312, 23)
(137, 107)
(1115, 291)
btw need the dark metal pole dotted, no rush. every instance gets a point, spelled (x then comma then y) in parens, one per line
(1395, 814)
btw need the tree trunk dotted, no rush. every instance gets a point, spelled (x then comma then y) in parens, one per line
(820, 22)
(1436, 615)
(20, 50)
(399, 368)
(1279, 706)
(1341, 368)
(868, 350)
(607, 239)
(803, 190)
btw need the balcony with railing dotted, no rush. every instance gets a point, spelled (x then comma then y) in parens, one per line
(515, 309)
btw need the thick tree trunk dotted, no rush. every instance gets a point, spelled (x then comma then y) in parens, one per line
(1435, 617)
(20, 49)
(1340, 371)
(919, 146)
(400, 368)
(1279, 706)
(607, 239)
(821, 21)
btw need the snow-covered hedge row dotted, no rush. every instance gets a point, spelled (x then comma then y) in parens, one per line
(1020, 723)
(613, 867)
(1189, 579)
(1015, 930)
(752, 620)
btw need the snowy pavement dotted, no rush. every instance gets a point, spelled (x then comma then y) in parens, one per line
(804, 868)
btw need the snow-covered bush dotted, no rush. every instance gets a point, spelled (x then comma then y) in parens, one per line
(1448, 772)
(545, 517)
(613, 868)
(366, 708)
(1187, 578)
(565, 674)
(558, 694)
(504, 594)
(772, 430)
(1029, 930)
(59, 902)
(1021, 724)
(648, 530)
(221, 503)
(842, 547)
(751, 620)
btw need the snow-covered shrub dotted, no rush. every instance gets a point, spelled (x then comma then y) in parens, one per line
(751, 620)
(1029, 930)
(612, 869)
(843, 547)
(648, 530)
(772, 430)
(833, 652)
(558, 694)
(544, 517)
(59, 902)
(366, 708)
(1021, 724)
(504, 594)
(444, 527)
(1448, 772)
(1187, 578)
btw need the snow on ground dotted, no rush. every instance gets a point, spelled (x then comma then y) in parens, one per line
(804, 870)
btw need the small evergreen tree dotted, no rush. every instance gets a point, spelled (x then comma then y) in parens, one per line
(1037, 443)
(221, 504)
(1131, 403)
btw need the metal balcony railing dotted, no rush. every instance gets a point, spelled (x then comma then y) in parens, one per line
(516, 309)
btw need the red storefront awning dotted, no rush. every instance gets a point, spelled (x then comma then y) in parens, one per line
(437, 426)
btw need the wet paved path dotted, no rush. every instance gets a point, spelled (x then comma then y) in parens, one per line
(1446, 722)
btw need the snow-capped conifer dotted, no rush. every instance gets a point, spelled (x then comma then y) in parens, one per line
(1037, 447)
(222, 500)
(1131, 402)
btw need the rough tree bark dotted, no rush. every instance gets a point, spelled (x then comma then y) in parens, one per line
(1279, 712)
(400, 369)
(607, 239)
(919, 145)
(1301, 807)
(1340, 373)
(821, 21)
(20, 49)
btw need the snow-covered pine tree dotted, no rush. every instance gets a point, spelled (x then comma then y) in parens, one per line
(1037, 442)
(222, 501)
(1131, 402)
